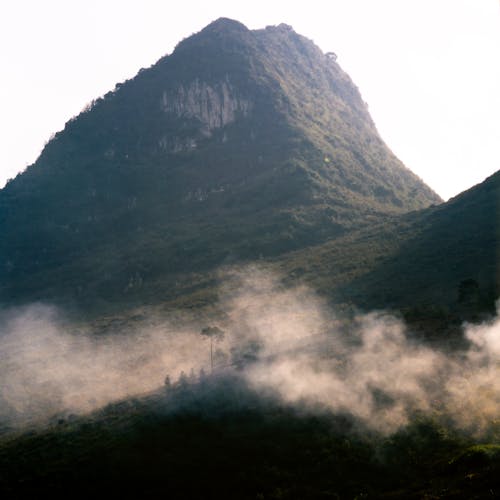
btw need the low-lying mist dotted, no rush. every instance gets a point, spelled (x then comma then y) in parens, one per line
(49, 366)
(281, 341)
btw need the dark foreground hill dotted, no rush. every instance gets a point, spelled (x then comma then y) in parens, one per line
(222, 440)
(239, 145)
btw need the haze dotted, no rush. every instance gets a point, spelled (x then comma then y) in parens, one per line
(283, 341)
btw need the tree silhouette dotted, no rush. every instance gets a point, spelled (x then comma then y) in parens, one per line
(213, 333)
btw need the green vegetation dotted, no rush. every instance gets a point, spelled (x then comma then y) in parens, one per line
(441, 263)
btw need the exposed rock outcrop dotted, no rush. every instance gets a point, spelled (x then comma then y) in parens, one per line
(213, 105)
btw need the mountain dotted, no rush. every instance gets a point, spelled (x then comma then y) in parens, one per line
(239, 145)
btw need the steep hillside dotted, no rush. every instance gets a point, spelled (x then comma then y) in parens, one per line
(239, 145)
(445, 257)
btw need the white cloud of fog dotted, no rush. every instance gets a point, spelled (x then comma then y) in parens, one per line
(281, 339)
(370, 369)
(47, 366)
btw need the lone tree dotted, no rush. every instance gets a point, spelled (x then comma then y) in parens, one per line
(213, 333)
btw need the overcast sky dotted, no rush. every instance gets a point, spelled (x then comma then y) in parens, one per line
(428, 69)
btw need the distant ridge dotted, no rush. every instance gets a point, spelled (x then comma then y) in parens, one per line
(440, 260)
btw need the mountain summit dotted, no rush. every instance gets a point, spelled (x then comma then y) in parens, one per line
(240, 144)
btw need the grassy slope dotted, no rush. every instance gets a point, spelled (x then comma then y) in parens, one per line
(413, 263)
(418, 259)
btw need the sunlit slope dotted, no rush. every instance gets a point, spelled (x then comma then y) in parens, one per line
(444, 256)
(239, 145)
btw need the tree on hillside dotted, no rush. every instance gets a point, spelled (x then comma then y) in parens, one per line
(213, 333)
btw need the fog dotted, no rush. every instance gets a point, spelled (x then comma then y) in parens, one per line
(282, 341)
(49, 366)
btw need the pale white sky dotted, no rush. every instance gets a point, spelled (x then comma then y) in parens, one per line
(428, 69)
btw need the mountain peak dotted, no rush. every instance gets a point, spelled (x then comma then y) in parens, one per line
(240, 144)
(225, 24)
(279, 27)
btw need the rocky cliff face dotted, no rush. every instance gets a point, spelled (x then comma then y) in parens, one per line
(214, 106)
(239, 145)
